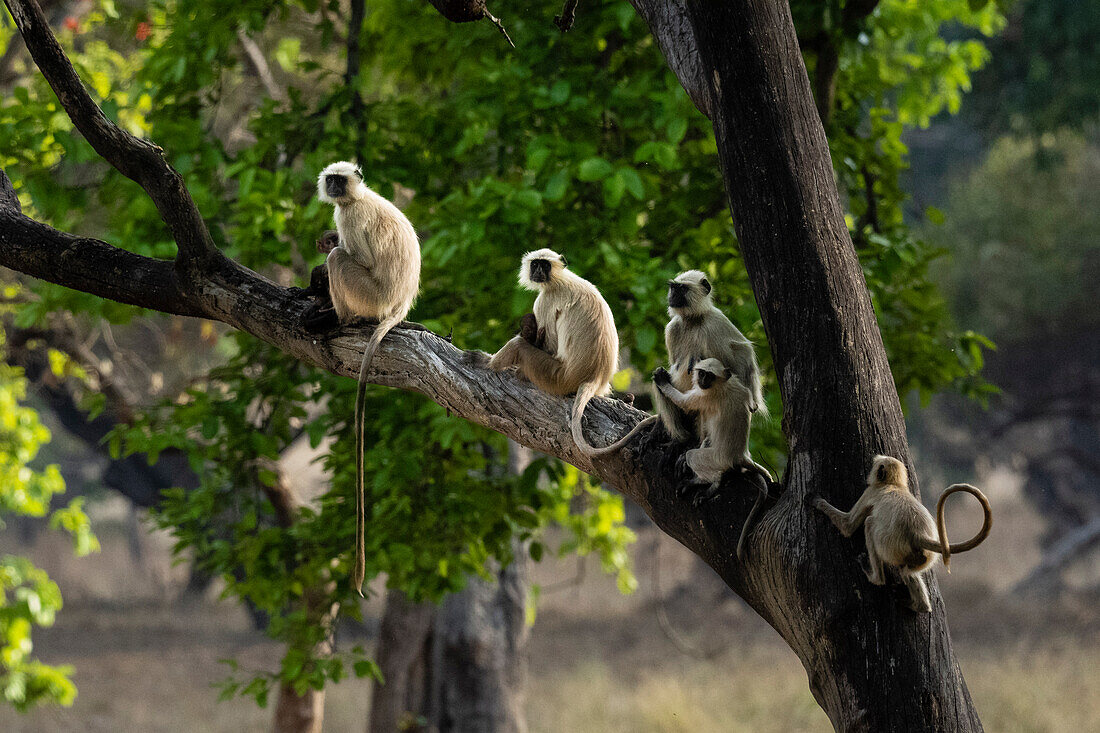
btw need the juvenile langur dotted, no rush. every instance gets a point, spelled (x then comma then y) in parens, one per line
(697, 330)
(899, 531)
(373, 272)
(572, 347)
(719, 401)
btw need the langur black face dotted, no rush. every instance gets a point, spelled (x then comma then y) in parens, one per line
(336, 185)
(539, 271)
(705, 378)
(677, 294)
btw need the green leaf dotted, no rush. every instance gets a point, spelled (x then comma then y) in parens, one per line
(287, 52)
(555, 187)
(677, 128)
(594, 169)
(613, 189)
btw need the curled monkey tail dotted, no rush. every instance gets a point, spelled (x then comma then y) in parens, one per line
(384, 326)
(618, 444)
(942, 546)
(584, 395)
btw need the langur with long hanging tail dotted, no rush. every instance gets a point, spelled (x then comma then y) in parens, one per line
(373, 273)
(718, 401)
(574, 347)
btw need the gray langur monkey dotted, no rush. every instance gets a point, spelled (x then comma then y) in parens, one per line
(575, 348)
(899, 531)
(697, 330)
(373, 272)
(720, 402)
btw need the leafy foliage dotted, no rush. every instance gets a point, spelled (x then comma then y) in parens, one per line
(28, 597)
(1025, 258)
(1045, 71)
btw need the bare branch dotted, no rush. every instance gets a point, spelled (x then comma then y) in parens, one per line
(9, 199)
(137, 159)
(260, 66)
(469, 11)
(91, 266)
(568, 14)
(500, 27)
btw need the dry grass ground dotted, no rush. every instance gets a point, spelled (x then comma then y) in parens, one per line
(599, 661)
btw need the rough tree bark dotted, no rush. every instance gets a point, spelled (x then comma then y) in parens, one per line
(872, 664)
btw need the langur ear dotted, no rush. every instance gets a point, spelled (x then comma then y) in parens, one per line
(706, 286)
(564, 261)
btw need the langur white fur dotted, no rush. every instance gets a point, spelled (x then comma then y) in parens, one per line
(719, 400)
(374, 272)
(899, 531)
(576, 332)
(697, 330)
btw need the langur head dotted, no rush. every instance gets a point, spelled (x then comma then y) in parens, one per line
(887, 471)
(540, 267)
(689, 292)
(340, 183)
(710, 372)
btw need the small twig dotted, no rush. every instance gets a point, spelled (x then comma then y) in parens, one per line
(568, 14)
(259, 64)
(500, 27)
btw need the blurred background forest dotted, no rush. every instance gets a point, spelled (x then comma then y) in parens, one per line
(187, 486)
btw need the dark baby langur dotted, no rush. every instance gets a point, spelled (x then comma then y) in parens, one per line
(576, 349)
(719, 402)
(374, 273)
(899, 531)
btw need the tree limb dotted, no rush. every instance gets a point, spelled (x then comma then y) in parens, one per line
(259, 64)
(137, 159)
(410, 358)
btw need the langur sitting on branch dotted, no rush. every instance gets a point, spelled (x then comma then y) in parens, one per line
(373, 273)
(572, 345)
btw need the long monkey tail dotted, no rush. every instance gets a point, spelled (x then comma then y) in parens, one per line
(359, 573)
(750, 521)
(942, 546)
(618, 444)
(584, 395)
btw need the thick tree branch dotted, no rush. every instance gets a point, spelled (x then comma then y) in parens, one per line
(137, 159)
(90, 265)
(411, 358)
